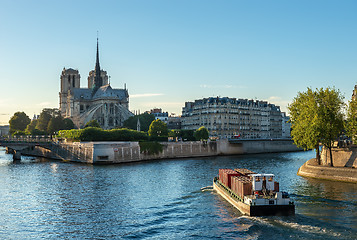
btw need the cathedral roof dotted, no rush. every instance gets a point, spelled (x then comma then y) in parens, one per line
(82, 93)
(107, 91)
(104, 92)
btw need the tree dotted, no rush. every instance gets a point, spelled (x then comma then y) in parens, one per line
(92, 123)
(330, 110)
(158, 129)
(19, 122)
(351, 121)
(68, 124)
(201, 134)
(45, 117)
(31, 127)
(187, 135)
(55, 124)
(304, 123)
(316, 117)
(145, 121)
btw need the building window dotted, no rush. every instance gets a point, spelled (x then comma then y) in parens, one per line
(111, 109)
(73, 82)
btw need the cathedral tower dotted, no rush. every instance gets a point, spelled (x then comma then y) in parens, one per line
(70, 79)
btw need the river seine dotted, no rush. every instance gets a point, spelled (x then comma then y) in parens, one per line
(43, 199)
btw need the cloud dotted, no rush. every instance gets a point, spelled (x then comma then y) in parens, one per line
(279, 102)
(225, 86)
(146, 95)
(4, 114)
(274, 98)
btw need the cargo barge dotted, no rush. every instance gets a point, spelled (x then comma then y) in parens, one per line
(253, 194)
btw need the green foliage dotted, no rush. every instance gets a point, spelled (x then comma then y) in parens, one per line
(201, 134)
(31, 127)
(92, 123)
(145, 121)
(68, 124)
(98, 134)
(150, 148)
(45, 117)
(32, 130)
(37, 132)
(330, 111)
(19, 133)
(187, 135)
(351, 121)
(304, 120)
(19, 122)
(174, 133)
(93, 134)
(316, 117)
(158, 129)
(71, 135)
(55, 124)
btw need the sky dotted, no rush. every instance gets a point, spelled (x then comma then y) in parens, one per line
(173, 51)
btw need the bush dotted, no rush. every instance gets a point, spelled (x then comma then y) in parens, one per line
(201, 134)
(150, 148)
(98, 134)
(19, 133)
(71, 135)
(37, 132)
(158, 139)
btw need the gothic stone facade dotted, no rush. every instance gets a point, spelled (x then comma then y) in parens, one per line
(97, 102)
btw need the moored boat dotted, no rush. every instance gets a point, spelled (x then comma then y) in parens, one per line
(253, 194)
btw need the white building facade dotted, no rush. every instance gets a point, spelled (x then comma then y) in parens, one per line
(227, 117)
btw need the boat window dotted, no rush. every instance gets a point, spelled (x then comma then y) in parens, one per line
(270, 179)
(257, 179)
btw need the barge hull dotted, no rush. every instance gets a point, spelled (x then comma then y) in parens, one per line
(264, 210)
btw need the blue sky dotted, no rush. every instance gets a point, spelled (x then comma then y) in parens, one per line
(169, 52)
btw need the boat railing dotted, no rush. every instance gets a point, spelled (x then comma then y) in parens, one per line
(228, 190)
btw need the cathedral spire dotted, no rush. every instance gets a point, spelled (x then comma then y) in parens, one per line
(97, 66)
(98, 81)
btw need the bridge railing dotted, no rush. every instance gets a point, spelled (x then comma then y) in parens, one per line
(26, 139)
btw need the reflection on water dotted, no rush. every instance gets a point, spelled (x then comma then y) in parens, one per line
(163, 200)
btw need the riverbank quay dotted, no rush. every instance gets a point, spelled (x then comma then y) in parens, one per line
(124, 152)
(312, 170)
(344, 165)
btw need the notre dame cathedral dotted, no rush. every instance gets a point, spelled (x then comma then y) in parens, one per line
(97, 102)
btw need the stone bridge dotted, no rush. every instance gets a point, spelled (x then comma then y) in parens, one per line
(17, 144)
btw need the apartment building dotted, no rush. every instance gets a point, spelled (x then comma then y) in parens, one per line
(226, 117)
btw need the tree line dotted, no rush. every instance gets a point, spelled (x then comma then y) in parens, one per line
(51, 122)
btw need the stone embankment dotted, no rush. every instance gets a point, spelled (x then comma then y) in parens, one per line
(344, 165)
(313, 170)
(123, 152)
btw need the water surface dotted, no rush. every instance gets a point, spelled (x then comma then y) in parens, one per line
(43, 199)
